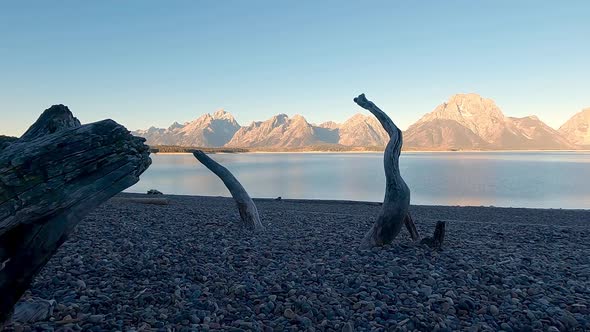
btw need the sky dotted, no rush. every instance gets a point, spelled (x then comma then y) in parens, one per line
(145, 63)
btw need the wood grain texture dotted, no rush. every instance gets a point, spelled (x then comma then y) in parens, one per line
(397, 194)
(246, 207)
(53, 176)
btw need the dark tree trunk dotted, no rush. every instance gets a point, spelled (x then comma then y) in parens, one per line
(246, 207)
(50, 178)
(397, 194)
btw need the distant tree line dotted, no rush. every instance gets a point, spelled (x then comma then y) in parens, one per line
(311, 148)
(186, 149)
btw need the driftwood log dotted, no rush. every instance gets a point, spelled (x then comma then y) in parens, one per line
(50, 178)
(246, 207)
(6, 140)
(394, 211)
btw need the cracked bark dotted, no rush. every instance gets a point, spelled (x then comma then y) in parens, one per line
(50, 178)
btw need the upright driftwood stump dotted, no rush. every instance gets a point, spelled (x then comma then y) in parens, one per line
(437, 239)
(396, 203)
(50, 178)
(246, 207)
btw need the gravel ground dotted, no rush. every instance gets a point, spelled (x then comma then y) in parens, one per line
(189, 266)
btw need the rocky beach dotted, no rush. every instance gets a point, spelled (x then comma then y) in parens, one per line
(190, 266)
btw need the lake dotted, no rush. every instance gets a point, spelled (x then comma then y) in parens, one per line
(509, 179)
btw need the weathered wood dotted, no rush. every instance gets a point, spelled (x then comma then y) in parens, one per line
(50, 179)
(411, 227)
(437, 239)
(246, 207)
(53, 119)
(397, 194)
(6, 140)
(33, 310)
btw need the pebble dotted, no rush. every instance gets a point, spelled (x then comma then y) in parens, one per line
(347, 327)
(96, 318)
(426, 291)
(190, 266)
(493, 310)
(288, 313)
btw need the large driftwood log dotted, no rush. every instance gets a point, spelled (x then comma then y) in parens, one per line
(50, 179)
(397, 194)
(246, 207)
(6, 141)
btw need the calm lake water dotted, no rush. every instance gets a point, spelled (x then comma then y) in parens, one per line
(511, 179)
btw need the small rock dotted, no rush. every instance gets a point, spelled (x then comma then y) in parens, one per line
(305, 321)
(347, 327)
(426, 291)
(80, 284)
(466, 304)
(450, 293)
(288, 313)
(568, 320)
(506, 327)
(493, 310)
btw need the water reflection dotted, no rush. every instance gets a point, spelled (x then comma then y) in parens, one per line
(518, 179)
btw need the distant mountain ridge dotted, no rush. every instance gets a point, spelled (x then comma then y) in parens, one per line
(464, 122)
(209, 130)
(280, 131)
(469, 121)
(577, 128)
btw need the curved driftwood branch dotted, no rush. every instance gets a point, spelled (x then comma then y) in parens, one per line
(247, 208)
(53, 176)
(397, 194)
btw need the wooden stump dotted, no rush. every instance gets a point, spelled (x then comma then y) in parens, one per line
(50, 178)
(437, 239)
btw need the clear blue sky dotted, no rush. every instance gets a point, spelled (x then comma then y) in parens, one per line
(148, 63)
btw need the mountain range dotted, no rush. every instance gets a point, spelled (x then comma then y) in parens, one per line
(464, 122)
(577, 129)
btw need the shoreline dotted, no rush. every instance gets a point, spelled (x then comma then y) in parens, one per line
(348, 202)
(380, 152)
